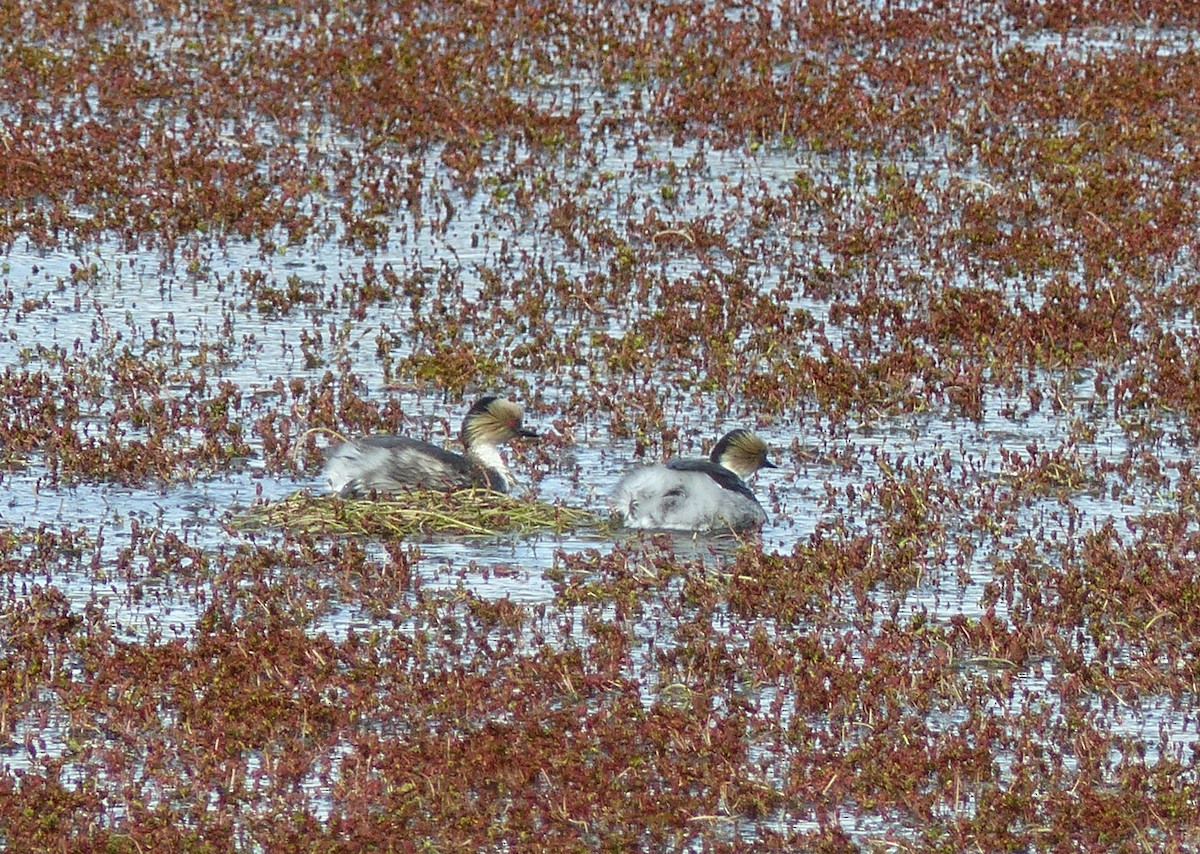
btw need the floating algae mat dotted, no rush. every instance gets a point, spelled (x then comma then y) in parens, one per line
(468, 512)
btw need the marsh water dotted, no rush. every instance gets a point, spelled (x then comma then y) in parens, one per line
(491, 277)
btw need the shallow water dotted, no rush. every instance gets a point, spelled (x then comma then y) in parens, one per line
(217, 311)
(131, 291)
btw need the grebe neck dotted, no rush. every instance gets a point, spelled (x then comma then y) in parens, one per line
(488, 458)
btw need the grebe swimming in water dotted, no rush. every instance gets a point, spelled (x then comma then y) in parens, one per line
(397, 463)
(697, 494)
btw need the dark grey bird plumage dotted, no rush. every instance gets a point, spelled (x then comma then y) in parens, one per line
(397, 463)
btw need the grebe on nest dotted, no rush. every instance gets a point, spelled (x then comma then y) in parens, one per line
(398, 463)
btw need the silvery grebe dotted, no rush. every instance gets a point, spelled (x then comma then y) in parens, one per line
(397, 463)
(697, 494)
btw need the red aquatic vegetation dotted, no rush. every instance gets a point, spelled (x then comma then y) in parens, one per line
(857, 222)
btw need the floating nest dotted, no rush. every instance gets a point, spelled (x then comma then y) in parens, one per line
(468, 512)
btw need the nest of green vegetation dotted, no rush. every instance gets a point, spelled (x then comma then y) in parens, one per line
(468, 512)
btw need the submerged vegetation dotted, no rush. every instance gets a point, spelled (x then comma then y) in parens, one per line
(940, 255)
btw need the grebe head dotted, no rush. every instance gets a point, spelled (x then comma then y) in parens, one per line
(493, 421)
(742, 453)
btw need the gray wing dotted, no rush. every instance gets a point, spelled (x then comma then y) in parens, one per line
(404, 448)
(396, 463)
(723, 476)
